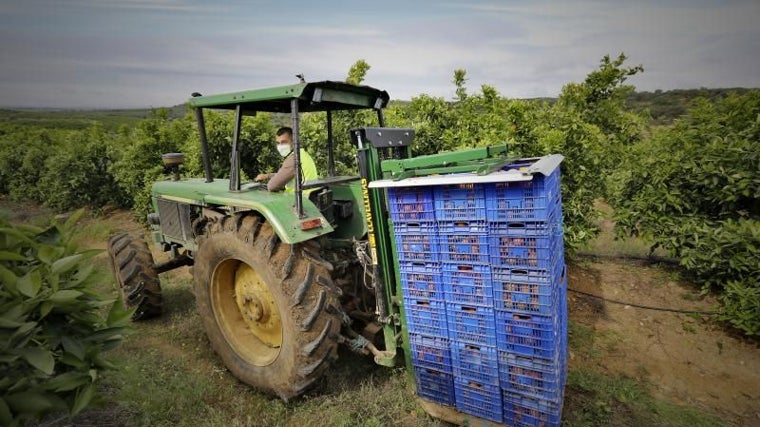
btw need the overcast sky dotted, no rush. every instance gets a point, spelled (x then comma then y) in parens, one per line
(143, 53)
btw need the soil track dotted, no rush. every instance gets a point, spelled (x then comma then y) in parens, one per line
(688, 359)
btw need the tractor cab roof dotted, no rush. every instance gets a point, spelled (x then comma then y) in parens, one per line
(312, 96)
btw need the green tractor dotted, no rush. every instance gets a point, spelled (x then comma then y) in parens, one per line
(281, 278)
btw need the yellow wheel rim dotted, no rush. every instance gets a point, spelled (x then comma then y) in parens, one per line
(246, 312)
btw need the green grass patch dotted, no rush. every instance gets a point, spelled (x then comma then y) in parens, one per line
(593, 399)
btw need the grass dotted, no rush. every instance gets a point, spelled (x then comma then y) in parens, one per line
(594, 398)
(607, 245)
(169, 376)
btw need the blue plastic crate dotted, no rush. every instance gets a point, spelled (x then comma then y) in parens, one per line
(531, 297)
(463, 226)
(528, 335)
(475, 362)
(431, 352)
(530, 209)
(411, 204)
(417, 247)
(539, 186)
(422, 280)
(435, 386)
(471, 323)
(426, 317)
(525, 251)
(481, 400)
(520, 201)
(468, 284)
(545, 274)
(468, 248)
(527, 411)
(551, 226)
(456, 202)
(415, 228)
(530, 376)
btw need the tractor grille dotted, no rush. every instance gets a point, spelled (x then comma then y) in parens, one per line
(175, 219)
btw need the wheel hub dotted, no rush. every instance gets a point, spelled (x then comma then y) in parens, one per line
(246, 312)
(257, 306)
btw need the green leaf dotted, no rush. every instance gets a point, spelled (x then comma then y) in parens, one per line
(65, 264)
(9, 323)
(8, 358)
(23, 329)
(118, 315)
(45, 308)
(8, 279)
(84, 396)
(71, 360)
(67, 381)
(49, 236)
(73, 346)
(73, 219)
(29, 402)
(65, 295)
(11, 256)
(106, 334)
(15, 315)
(5, 413)
(39, 358)
(30, 284)
(48, 254)
(13, 232)
(101, 362)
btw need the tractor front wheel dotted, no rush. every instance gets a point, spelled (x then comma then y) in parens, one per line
(268, 311)
(139, 285)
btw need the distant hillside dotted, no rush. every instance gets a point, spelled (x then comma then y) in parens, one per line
(81, 119)
(666, 106)
(663, 107)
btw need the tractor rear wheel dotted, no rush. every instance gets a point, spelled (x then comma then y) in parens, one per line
(139, 285)
(269, 312)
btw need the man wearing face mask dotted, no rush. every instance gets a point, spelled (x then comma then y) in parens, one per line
(285, 176)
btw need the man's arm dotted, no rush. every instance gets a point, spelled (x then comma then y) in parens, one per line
(283, 175)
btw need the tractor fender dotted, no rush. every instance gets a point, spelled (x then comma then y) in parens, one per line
(278, 210)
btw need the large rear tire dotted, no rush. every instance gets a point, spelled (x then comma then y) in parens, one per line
(269, 313)
(139, 285)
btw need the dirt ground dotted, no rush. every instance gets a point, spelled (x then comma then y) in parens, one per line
(688, 359)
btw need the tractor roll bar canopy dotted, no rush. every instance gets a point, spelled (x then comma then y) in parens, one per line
(299, 98)
(312, 96)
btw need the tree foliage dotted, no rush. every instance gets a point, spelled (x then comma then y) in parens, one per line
(52, 333)
(694, 189)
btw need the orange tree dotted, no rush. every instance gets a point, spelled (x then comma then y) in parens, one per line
(694, 190)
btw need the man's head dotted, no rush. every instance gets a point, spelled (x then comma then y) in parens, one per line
(284, 140)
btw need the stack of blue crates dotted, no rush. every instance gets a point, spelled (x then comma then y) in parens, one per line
(484, 287)
(413, 215)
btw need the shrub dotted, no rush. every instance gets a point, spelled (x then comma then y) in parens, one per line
(694, 189)
(52, 331)
(77, 175)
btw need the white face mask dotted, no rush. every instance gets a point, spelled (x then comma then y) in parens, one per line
(283, 149)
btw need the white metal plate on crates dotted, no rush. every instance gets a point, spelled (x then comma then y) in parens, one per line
(544, 165)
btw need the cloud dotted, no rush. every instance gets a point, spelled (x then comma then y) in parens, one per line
(155, 52)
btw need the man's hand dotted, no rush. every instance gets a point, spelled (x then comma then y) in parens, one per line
(263, 177)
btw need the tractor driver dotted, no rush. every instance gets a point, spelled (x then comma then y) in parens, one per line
(285, 176)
